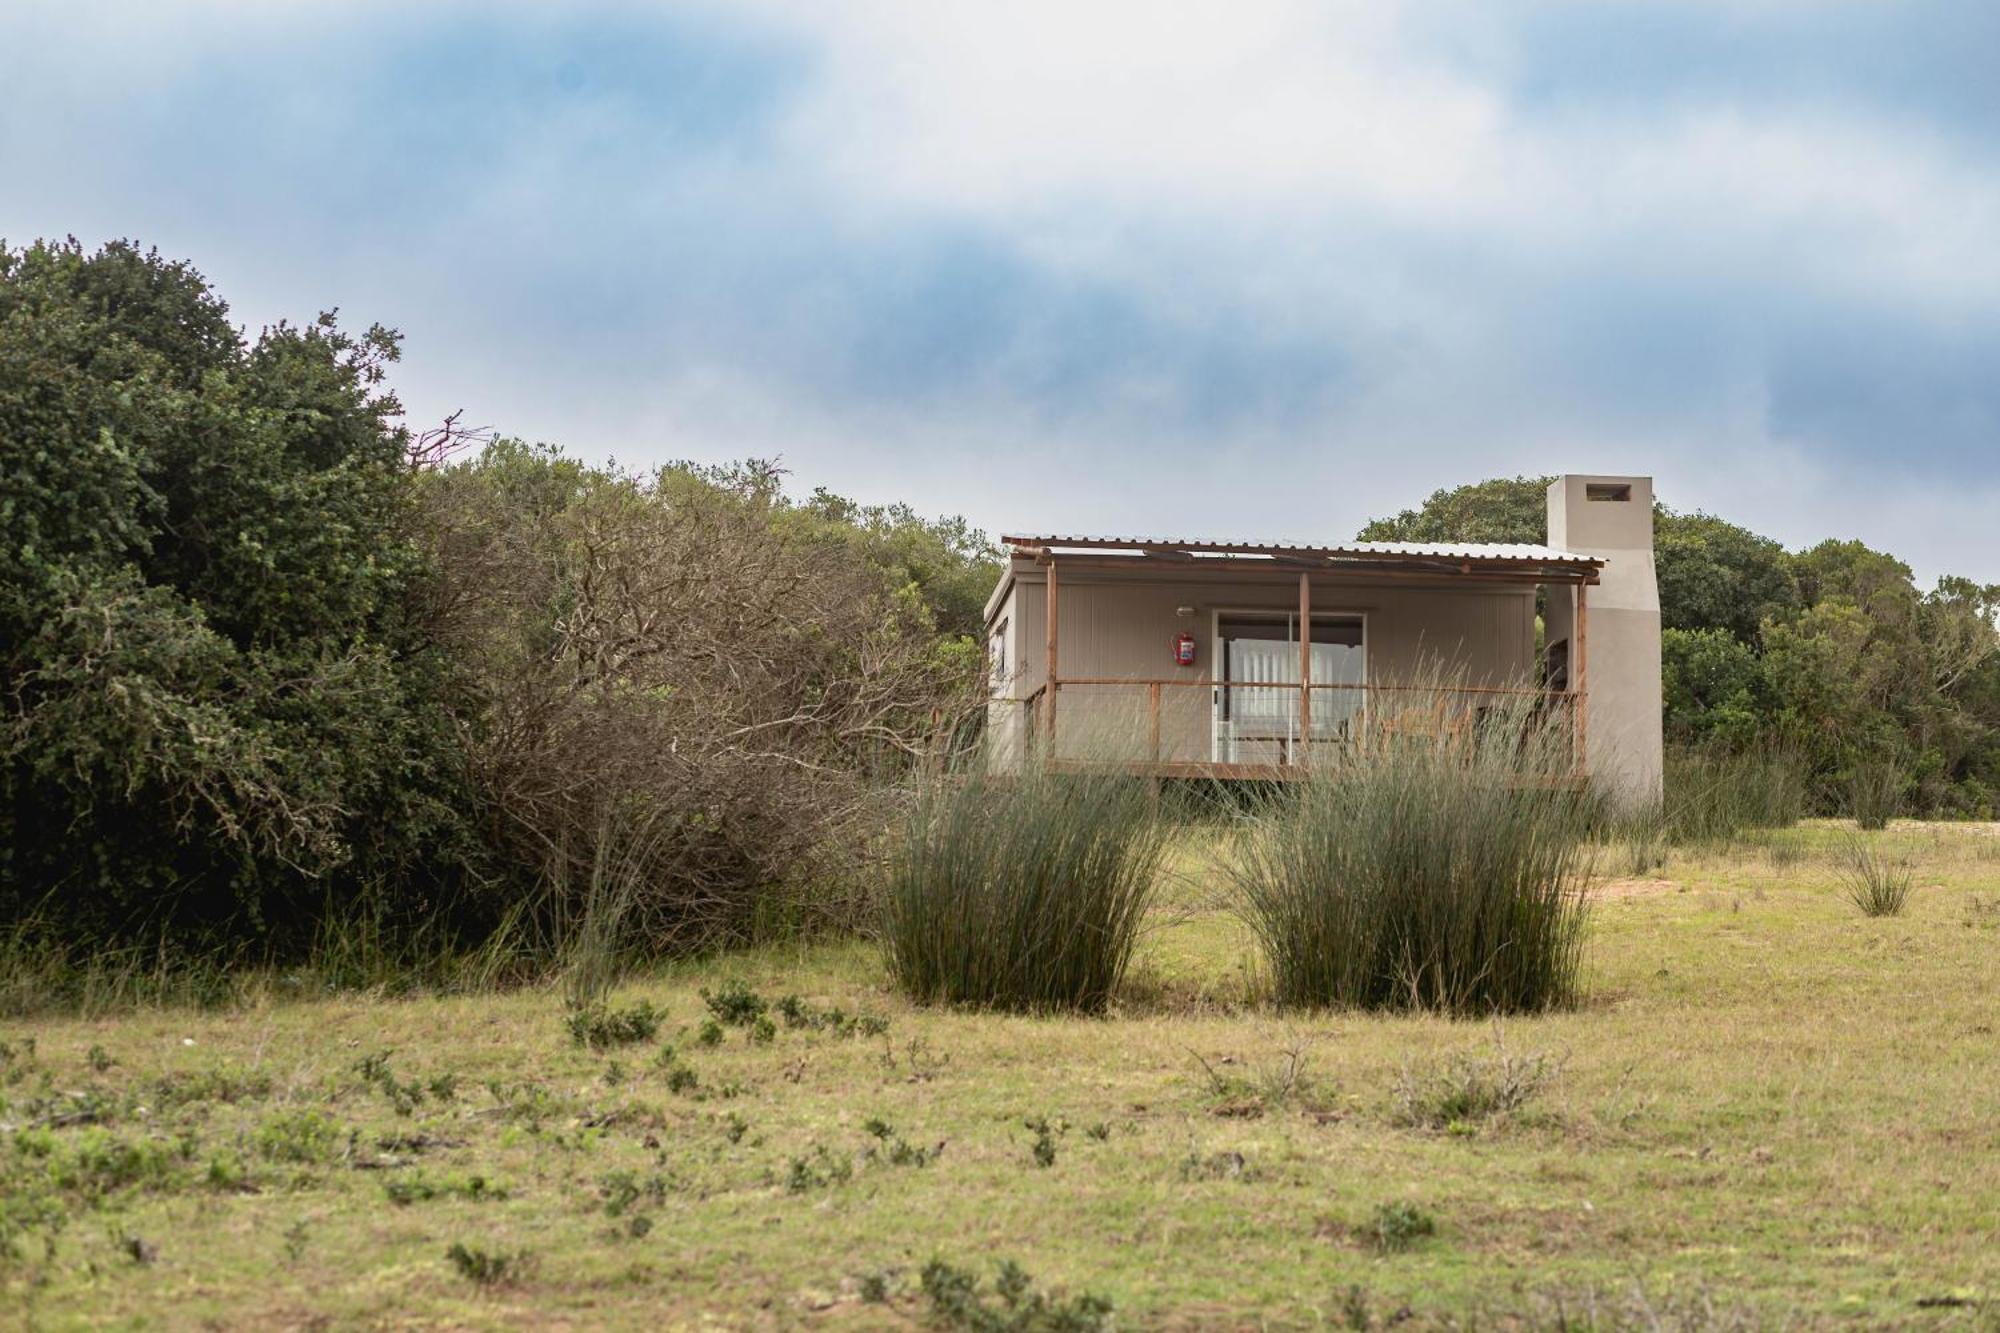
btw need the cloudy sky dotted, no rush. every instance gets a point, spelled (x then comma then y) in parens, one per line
(1241, 268)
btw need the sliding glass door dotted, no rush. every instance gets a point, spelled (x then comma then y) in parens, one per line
(1257, 703)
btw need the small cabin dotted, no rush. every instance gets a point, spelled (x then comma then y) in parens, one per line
(1212, 658)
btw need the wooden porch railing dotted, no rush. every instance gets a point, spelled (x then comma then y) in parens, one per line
(1441, 710)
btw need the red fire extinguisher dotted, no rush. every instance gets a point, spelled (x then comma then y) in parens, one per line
(1184, 649)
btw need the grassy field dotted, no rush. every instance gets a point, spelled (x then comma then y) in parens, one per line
(1769, 1110)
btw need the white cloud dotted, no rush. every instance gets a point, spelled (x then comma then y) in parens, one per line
(1326, 175)
(1073, 128)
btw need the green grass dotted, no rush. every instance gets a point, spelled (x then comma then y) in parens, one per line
(1765, 1105)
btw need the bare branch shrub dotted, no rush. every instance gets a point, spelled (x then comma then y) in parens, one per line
(684, 685)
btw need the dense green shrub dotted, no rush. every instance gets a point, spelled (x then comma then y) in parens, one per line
(1020, 891)
(1427, 873)
(221, 716)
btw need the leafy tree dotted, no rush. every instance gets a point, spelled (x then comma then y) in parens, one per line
(1716, 688)
(948, 564)
(1506, 509)
(1716, 575)
(220, 713)
(1877, 583)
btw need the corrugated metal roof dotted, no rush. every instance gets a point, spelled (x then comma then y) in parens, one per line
(1512, 552)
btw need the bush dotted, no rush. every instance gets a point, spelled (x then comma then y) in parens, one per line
(692, 698)
(1399, 1225)
(1466, 1088)
(1425, 872)
(222, 717)
(1020, 892)
(1876, 883)
(958, 1301)
(601, 1027)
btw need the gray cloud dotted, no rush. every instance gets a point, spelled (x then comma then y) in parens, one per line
(1258, 268)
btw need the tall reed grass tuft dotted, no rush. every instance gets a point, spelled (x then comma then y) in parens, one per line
(1875, 792)
(1876, 882)
(1441, 872)
(1714, 796)
(1021, 892)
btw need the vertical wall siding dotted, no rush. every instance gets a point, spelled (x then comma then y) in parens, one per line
(1121, 627)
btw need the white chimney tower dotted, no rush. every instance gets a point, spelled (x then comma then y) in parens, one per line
(1615, 661)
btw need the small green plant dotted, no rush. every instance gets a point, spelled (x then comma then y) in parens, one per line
(305, 1137)
(1398, 1226)
(735, 1004)
(485, 1267)
(17, 1057)
(681, 1079)
(958, 1301)
(1043, 1149)
(221, 1083)
(1354, 1311)
(93, 1163)
(405, 1097)
(1226, 1165)
(894, 1149)
(874, 1288)
(1467, 1088)
(734, 1127)
(1101, 1131)
(1876, 882)
(621, 1190)
(297, 1236)
(835, 1021)
(421, 1189)
(80, 1106)
(762, 1031)
(600, 1027)
(1270, 1088)
(98, 1059)
(817, 1170)
(710, 1033)
(527, 1103)
(226, 1172)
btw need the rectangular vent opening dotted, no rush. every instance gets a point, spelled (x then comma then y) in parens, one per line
(1606, 490)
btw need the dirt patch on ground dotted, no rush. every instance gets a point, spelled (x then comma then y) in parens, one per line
(1632, 888)
(1978, 828)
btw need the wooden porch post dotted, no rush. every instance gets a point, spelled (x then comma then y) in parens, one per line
(1578, 681)
(1153, 717)
(1305, 667)
(1050, 685)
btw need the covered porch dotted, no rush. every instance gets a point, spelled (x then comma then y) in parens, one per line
(1245, 660)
